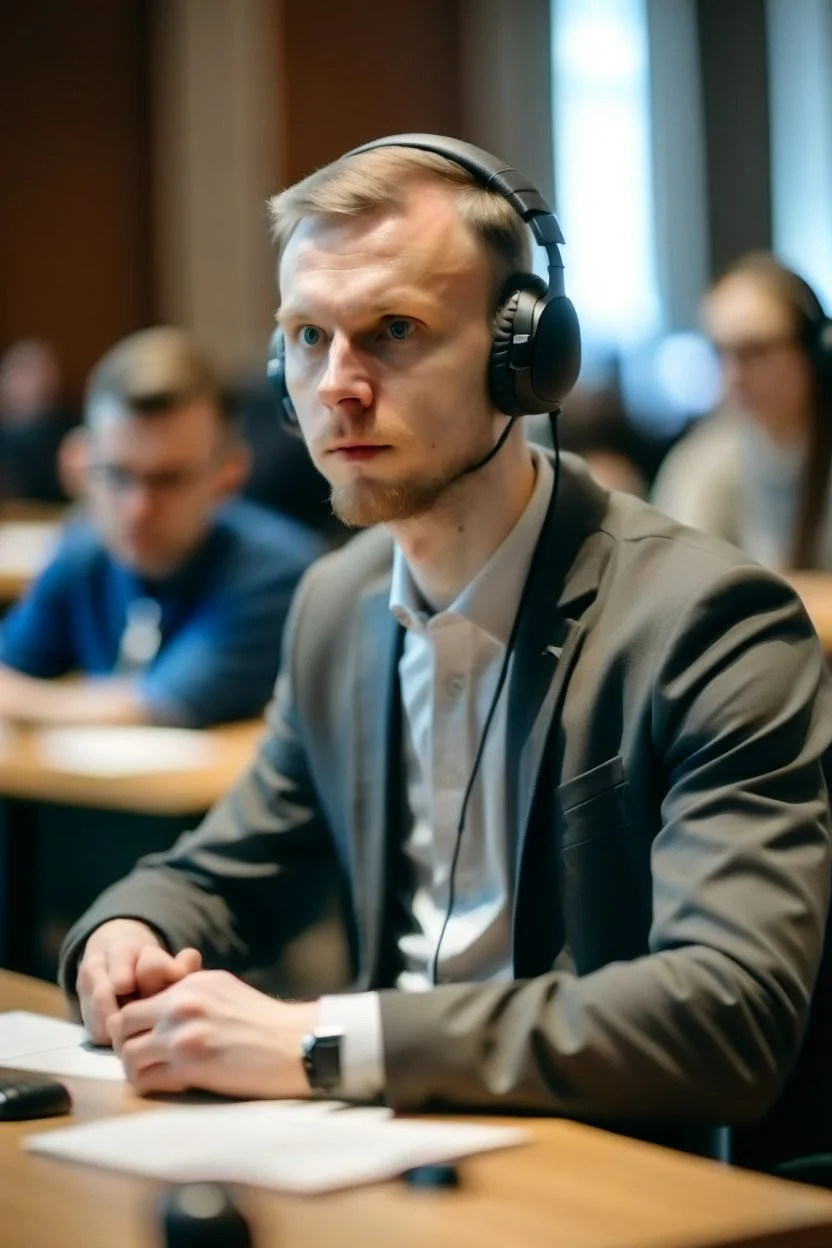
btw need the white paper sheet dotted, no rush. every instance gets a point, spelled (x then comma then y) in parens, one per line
(126, 751)
(78, 1062)
(22, 1033)
(288, 1147)
(54, 1047)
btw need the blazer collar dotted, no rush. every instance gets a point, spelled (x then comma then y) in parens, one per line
(377, 808)
(565, 580)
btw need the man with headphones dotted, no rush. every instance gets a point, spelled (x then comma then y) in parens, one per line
(555, 760)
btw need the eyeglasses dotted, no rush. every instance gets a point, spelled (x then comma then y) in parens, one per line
(752, 350)
(120, 480)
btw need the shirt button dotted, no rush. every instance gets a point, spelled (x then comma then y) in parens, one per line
(455, 687)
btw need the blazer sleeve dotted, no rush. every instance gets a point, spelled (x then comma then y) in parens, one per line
(243, 883)
(704, 1027)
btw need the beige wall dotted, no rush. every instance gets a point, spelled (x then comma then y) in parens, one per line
(214, 75)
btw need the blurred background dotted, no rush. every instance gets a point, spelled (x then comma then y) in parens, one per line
(139, 141)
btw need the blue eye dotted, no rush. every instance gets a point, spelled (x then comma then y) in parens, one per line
(310, 336)
(400, 329)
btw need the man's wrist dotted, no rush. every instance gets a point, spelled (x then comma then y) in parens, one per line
(302, 1021)
(130, 927)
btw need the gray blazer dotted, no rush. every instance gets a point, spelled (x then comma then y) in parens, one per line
(669, 712)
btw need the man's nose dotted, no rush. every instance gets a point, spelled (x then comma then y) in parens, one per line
(137, 502)
(346, 378)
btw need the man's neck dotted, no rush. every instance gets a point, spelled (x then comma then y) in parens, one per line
(179, 569)
(446, 548)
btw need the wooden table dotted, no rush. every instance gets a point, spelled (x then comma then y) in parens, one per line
(25, 546)
(572, 1187)
(27, 772)
(31, 778)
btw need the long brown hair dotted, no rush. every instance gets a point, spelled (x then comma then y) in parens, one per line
(812, 333)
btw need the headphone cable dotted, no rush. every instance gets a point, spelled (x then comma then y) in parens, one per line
(501, 680)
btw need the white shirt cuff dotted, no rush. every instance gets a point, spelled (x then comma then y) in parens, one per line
(358, 1016)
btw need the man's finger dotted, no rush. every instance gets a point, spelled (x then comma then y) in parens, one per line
(189, 960)
(156, 969)
(98, 1004)
(141, 1050)
(137, 1016)
(121, 965)
(157, 1079)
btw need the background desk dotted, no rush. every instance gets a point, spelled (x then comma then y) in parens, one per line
(573, 1186)
(25, 546)
(59, 846)
(25, 772)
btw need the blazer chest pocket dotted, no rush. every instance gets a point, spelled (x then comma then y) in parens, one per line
(593, 803)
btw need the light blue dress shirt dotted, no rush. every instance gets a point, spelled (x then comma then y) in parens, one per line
(448, 674)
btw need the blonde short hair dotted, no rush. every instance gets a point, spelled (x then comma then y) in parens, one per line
(380, 178)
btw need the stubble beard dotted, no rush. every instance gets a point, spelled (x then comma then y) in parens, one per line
(361, 503)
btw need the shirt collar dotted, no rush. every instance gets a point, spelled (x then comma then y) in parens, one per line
(491, 599)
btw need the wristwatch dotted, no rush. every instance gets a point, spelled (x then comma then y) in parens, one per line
(320, 1053)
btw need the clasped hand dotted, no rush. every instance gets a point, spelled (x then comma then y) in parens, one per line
(183, 1027)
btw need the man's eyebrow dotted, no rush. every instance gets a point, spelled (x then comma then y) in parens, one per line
(285, 314)
(404, 303)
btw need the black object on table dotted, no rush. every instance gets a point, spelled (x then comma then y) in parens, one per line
(24, 1094)
(203, 1215)
(433, 1176)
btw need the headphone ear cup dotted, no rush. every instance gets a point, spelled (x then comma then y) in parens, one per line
(276, 377)
(543, 335)
(500, 380)
(823, 350)
(556, 355)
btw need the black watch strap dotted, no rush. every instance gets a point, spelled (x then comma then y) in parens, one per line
(321, 1058)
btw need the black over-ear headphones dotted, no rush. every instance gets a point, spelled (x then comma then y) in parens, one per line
(536, 352)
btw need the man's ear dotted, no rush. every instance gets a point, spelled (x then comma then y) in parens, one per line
(73, 462)
(234, 472)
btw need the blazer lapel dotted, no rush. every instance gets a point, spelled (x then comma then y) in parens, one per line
(565, 580)
(377, 778)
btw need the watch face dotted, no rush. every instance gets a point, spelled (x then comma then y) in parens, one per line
(321, 1058)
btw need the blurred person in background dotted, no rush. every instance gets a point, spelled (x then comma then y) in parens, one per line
(757, 471)
(283, 477)
(33, 423)
(171, 596)
(595, 426)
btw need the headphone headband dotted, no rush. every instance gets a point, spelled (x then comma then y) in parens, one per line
(491, 174)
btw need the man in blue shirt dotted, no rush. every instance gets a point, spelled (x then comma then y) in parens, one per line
(171, 595)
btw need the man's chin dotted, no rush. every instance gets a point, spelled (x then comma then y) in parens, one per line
(150, 563)
(361, 504)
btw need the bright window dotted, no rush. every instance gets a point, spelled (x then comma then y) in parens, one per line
(601, 103)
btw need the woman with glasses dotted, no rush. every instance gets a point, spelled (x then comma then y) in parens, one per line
(757, 471)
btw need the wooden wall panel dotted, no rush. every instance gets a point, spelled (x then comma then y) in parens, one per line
(75, 160)
(353, 72)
